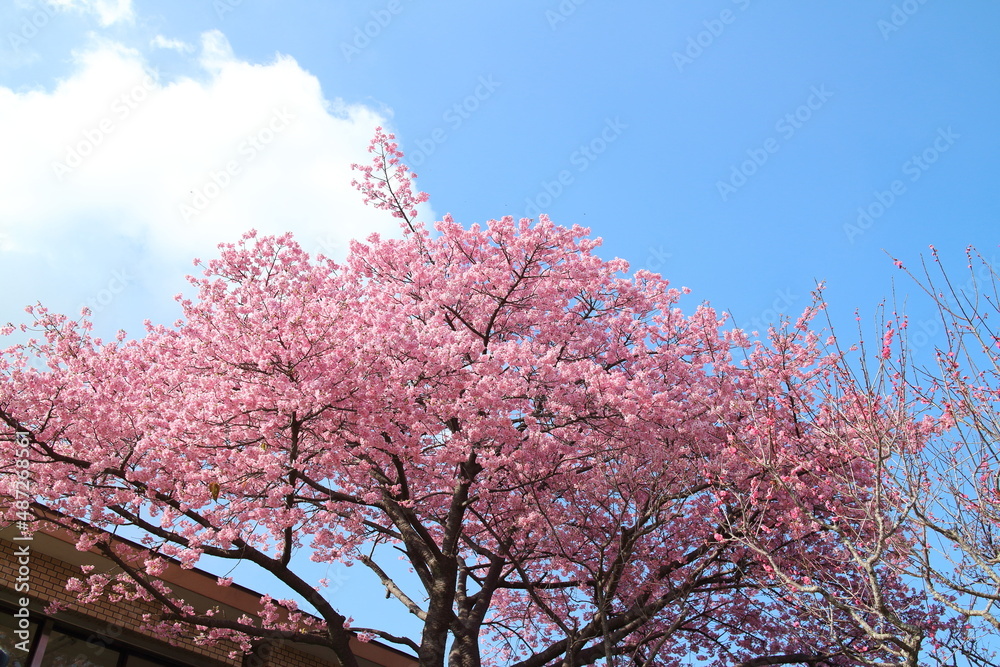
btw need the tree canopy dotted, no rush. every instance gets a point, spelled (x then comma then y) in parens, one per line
(575, 469)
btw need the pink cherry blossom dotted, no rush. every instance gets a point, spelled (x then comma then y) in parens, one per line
(575, 468)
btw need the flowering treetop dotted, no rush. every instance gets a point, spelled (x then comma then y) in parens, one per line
(574, 469)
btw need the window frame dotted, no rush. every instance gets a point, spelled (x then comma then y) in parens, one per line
(48, 624)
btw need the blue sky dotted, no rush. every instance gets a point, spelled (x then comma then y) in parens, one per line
(739, 139)
(744, 149)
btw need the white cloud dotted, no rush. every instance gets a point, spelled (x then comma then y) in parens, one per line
(161, 42)
(216, 52)
(108, 12)
(112, 181)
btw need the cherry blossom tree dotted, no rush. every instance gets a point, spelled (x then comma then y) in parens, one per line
(952, 485)
(575, 470)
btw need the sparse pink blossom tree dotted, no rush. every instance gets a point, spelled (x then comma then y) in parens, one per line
(575, 470)
(952, 485)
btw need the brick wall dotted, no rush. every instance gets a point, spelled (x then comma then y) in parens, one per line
(115, 620)
(121, 621)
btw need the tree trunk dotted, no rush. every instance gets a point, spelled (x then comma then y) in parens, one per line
(465, 650)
